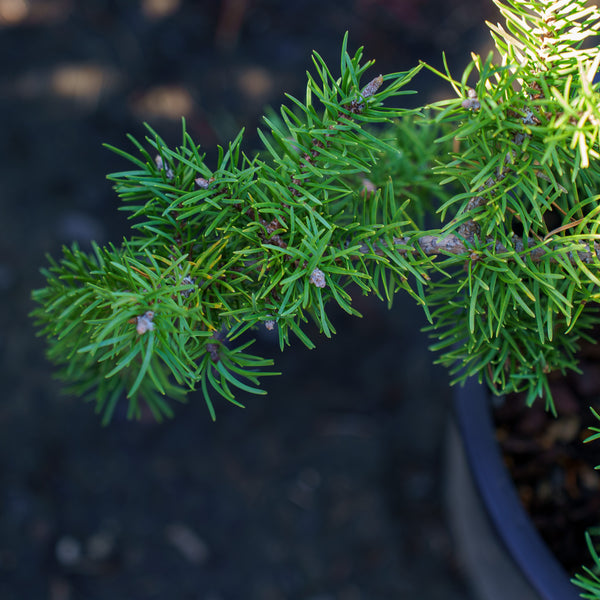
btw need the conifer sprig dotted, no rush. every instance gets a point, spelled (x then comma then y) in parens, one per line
(526, 207)
(342, 201)
(340, 197)
(263, 241)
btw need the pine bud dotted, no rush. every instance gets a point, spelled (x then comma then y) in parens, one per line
(144, 322)
(202, 183)
(317, 278)
(372, 87)
(472, 102)
(158, 161)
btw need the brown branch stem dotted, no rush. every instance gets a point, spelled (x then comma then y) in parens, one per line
(451, 244)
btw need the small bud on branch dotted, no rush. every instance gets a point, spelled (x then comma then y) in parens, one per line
(371, 88)
(317, 278)
(144, 322)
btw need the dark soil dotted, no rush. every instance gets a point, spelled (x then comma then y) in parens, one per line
(329, 487)
(550, 463)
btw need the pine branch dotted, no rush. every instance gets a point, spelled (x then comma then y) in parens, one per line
(339, 202)
(452, 244)
(508, 166)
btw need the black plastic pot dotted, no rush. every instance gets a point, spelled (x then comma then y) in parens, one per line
(502, 552)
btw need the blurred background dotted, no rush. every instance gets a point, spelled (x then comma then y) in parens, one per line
(328, 488)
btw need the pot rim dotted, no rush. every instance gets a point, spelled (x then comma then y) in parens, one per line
(472, 410)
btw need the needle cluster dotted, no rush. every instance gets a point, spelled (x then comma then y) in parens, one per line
(483, 207)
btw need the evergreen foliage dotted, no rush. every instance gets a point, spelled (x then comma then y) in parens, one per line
(342, 200)
(262, 241)
(271, 240)
(508, 279)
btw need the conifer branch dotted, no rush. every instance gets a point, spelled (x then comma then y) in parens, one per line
(341, 197)
(432, 245)
(341, 202)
